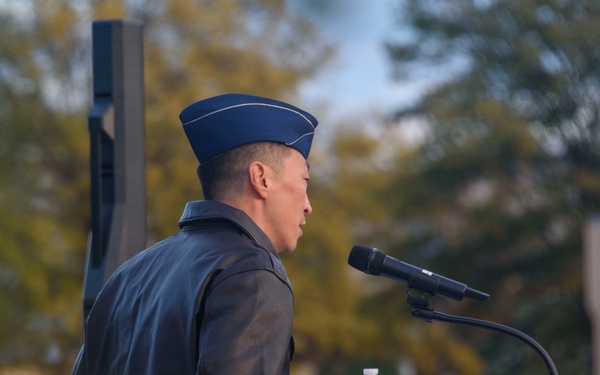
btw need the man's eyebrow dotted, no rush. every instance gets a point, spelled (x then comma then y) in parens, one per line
(307, 165)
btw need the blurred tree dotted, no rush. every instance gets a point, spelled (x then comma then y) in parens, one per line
(357, 197)
(497, 193)
(329, 330)
(193, 49)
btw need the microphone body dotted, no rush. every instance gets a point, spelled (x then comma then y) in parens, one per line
(374, 262)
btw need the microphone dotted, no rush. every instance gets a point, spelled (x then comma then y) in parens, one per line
(374, 262)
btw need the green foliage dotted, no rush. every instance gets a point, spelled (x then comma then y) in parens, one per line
(501, 187)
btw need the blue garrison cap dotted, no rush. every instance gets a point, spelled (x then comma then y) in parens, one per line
(224, 122)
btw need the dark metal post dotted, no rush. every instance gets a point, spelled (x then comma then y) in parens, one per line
(591, 283)
(117, 152)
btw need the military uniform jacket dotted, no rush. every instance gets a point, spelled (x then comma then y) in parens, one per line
(211, 299)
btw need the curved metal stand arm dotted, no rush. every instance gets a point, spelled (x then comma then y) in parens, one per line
(429, 315)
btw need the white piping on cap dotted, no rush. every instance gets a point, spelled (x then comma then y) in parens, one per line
(249, 104)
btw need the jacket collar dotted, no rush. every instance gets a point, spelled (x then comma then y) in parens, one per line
(199, 211)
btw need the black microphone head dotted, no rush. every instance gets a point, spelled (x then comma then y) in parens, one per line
(359, 257)
(366, 259)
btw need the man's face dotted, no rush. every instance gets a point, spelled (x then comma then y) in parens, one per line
(289, 204)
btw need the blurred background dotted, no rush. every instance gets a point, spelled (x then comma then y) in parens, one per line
(457, 135)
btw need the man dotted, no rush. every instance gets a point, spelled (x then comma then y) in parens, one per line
(215, 298)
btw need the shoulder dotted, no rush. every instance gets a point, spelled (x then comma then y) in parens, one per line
(251, 259)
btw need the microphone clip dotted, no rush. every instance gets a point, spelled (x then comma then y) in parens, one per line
(421, 290)
(420, 302)
(418, 298)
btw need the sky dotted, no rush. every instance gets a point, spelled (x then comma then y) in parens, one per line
(359, 78)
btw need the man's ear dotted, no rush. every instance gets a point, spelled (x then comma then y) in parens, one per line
(259, 178)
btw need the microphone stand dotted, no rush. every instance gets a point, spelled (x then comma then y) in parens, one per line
(421, 308)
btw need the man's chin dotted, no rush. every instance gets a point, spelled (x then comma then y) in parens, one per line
(287, 250)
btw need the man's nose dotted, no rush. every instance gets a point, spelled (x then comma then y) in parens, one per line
(307, 206)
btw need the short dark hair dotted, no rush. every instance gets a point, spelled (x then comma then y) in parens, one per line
(222, 176)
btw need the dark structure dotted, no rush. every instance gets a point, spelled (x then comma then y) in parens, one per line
(117, 152)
